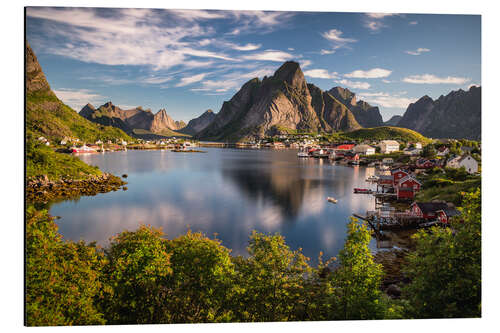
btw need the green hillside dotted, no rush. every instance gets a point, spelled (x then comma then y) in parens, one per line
(386, 133)
(46, 115)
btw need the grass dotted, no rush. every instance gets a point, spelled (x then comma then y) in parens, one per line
(385, 133)
(47, 116)
(447, 185)
(42, 160)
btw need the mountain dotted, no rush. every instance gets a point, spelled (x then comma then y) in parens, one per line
(132, 120)
(393, 121)
(283, 100)
(365, 114)
(48, 116)
(196, 125)
(456, 115)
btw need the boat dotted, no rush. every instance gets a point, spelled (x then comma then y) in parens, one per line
(372, 178)
(82, 150)
(320, 153)
(303, 152)
(363, 190)
(332, 200)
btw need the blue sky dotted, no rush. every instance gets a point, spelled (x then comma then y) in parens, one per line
(188, 61)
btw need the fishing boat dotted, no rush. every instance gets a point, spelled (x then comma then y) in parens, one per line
(332, 200)
(372, 178)
(82, 150)
(363, 190)
(303, 152)
(320, 153)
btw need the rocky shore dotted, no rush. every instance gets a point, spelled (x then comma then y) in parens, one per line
(42, 190)
(392, 262)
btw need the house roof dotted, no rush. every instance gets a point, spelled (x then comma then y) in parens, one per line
(431, 207)
(464, 156)
(402, 180)
(390, 142)
(450, 211)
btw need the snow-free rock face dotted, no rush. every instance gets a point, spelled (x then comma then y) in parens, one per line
(129, 120)
(456, 115)
(365, 114)
(197, 125)
(281, 101)
(35, 79)
(393, 121)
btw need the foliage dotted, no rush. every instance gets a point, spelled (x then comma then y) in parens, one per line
(356, 282)
(137, 273)
(46, 115)
(445, 269)
(271, 280)
(42, 160)
(429, 151)
(202, 280)
(387, 133)
(62, 278)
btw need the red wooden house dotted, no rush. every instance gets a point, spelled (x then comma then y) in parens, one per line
(397, 175)
(407, 187)
(425, 164)
(444, 215)
(427, 210)
(350, 156)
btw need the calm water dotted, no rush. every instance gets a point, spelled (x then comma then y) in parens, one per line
(229, 192)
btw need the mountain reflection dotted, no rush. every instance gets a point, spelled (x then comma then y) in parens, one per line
(229, 192)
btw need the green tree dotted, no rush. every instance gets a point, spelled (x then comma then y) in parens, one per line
(272, 280)
(356, 281)
(429, 151)
(62, 278)
(137, 273)
(202, 281)
(445, 269)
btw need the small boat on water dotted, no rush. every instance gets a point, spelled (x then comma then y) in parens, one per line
(363, 190)
(332, 200)
(303, 152)
(372, 178)
(82, 150)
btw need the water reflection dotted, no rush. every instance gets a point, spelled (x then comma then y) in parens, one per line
(225, 191)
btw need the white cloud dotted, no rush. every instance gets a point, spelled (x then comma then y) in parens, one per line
(323, 51)
(156, 79)
(291, 49)
(433, 79)
(386, 81)
(369, 74)
(375, 21)
(195, 15)
(248, 47)
(413, 22)
(473, 85)
(269, 55)
(321, 74)
(388, 101)
(418, 51)
(305, 63)
(78, 98)
(379, 15)
(191, 79)
(335, 35)
(355, 84)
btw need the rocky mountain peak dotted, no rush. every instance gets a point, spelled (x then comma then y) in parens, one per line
(344, 95)
(35, 79)
(291, 73)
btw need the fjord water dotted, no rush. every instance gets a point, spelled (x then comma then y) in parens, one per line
(227, 192)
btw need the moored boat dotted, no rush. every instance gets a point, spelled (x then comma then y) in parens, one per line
(332, 200)
(363, 190)
(82, 150)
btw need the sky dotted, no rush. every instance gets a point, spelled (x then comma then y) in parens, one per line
(188, 61)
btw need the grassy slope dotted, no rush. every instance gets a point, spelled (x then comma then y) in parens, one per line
(42, 160)
(387, 133)
(46, 115)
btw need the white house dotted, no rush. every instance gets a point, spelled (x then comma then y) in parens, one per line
(442, 151)
(364, 149)
(466, 161)
(412, 151)
(388, 146)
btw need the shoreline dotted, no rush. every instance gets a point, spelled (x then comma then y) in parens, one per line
(42, 190)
